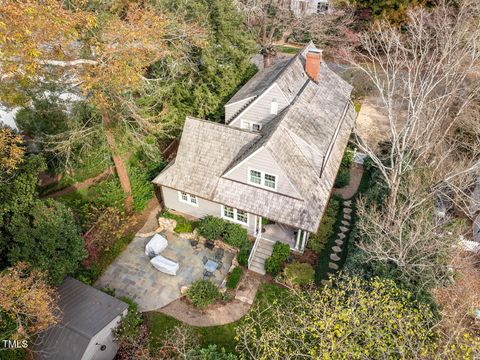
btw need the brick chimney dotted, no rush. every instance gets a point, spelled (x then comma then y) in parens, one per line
(312, 65)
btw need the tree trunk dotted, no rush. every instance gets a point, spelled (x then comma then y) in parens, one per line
(266, 60)
(119, 164)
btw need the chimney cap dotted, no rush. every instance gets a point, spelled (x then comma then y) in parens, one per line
(314, 51)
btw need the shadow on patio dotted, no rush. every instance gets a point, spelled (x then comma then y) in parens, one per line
(132, 275)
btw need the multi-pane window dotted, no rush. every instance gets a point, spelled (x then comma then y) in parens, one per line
(248, 125)
(242, 216)
(235, 215)
(270, 181)
(187, 198)
(229, 212)
(255, 177)
(263, 179)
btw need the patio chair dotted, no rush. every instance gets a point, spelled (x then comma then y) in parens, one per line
(207, 274)
(219, 254)
(219, 266)
(209, 244)
(204, 260)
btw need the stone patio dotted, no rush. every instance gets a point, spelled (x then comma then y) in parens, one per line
(132, 275)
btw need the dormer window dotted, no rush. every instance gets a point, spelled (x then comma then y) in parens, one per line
(263, 179)
(274, 107)
(248, 125)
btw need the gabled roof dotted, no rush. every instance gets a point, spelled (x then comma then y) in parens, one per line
(307, 140)
(85, 312)
(206, 149)
(289, 74)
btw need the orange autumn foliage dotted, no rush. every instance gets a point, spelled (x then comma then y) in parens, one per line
(28, 300)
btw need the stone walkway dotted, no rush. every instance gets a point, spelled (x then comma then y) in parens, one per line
(356, 173)
(337, 250)
(219, 314)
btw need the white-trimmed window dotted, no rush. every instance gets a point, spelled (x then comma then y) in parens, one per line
(261, 178)
(274, 107)
(248, 125)
(255, 177)
(235, 215)
(187, 198)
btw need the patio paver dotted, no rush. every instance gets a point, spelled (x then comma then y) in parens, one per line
(132, 275)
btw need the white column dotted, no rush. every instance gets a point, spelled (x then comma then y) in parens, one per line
(304, 239)
(297, 240)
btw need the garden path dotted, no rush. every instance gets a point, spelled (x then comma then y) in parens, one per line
(219, 314)
(356, 173)
(83, 184)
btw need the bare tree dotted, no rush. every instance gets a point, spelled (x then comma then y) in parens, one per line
(424, 75)
(267, 21)
(426, 78)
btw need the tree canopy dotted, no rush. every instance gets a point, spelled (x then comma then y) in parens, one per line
(40, 232)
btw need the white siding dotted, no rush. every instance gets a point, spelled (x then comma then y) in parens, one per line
(233, 108)
(104, 337)
(259, 111)
(263, 161)
(204, 208)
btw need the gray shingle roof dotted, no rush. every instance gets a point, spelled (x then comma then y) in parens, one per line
(307, 140)
(205, 151)
(289, 74)
(85, 312)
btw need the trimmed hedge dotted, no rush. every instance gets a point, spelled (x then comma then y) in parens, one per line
(203, 293)
(273, 264)
(234, 278)
(212, 227)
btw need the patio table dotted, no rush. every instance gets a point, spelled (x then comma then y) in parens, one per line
(210, 265)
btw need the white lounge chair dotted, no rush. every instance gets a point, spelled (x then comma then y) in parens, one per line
(164, 265)
(156, 245)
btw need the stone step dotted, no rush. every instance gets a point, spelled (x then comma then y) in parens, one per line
(334, 257)
(347, 210)
(345, 223)
(341, 236)
(337, 249)
(347, 217)
(339, 242)
(343, 229)
(333, 266)
(347, 203)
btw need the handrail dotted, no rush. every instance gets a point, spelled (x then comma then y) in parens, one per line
(254, 248)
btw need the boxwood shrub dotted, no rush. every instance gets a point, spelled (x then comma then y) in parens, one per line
(235, 235)
(203, 293)
(243, 254)
(280, 253)
(211, 227)
(234, 278)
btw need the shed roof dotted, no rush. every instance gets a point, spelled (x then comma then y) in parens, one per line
(85, 312)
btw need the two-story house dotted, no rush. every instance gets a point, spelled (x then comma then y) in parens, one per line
(271, 167)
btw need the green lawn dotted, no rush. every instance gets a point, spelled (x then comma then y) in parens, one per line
(223, 336)
(287, 49)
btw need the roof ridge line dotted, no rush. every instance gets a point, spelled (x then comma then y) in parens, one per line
(223, 125)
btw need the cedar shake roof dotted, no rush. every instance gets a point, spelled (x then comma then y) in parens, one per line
(307, 140)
